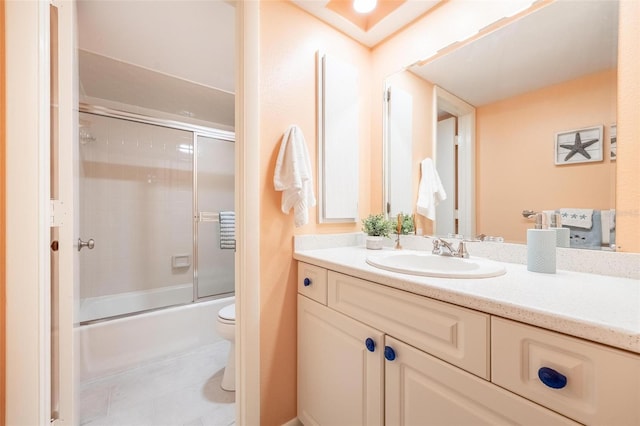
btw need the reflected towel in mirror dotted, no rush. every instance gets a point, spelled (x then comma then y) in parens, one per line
(293, 176)
(579, 218)
(431, 191)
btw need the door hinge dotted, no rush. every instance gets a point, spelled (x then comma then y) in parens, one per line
(57, 213)
(387, 95)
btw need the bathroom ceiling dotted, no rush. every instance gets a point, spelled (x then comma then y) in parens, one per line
(174, 56)
(104, 78)
(389, 17)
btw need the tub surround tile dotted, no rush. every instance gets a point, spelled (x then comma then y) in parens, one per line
(595, 307)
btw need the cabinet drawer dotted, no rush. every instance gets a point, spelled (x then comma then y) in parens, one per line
(312, 282)
(457, 335)
(420, 390)
(602, 384)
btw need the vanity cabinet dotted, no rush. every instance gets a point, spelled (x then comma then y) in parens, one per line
(374, 355)
(340, 368)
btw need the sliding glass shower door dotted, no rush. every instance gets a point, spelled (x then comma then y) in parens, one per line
(149, 216)
(214, 221)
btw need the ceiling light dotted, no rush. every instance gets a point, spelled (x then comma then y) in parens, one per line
(364, 6)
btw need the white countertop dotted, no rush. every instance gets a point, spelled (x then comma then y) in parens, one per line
(600, 308)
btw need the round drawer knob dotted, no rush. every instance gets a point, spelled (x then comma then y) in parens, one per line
(389, 353)
(307, 282)
(552, 378)
(370, 344)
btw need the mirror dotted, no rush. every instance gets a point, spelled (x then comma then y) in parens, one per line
(565, 58)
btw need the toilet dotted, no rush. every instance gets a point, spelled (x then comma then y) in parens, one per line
(226, 328)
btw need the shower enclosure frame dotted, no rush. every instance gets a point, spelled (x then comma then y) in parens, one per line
(197, 131)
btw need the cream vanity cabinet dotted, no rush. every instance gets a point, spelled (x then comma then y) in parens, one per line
(373, 355)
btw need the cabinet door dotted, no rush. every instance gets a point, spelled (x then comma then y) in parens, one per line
(422, 390)
(340, 381)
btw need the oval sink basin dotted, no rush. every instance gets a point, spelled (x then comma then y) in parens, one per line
(430, 265)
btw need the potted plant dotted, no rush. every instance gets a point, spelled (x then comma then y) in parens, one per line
(408, 227)
(377, 227)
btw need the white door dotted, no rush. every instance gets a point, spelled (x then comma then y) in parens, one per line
(65, 173)
(40, 279)
(446, 167)
(339, 371)
(422, 390)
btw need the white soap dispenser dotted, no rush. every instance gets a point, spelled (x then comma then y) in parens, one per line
(541, 247)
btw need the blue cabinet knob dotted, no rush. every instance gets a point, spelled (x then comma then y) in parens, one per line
(370, 344)
(552, 378)
(389, 353)
(307, 282)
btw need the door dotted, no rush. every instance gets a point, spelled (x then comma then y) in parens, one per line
(339, 370)
(214, 246)
(446, 166)
(423, 390)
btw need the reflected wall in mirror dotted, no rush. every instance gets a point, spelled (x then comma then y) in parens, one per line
(550, 71)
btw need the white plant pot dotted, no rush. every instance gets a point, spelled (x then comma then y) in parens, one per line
(374, 243)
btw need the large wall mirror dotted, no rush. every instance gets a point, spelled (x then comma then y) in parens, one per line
(535, 84)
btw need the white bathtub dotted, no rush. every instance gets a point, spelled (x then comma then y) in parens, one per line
(92, 308)
(119, 344)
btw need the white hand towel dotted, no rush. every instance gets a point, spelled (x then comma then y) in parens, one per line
(580, 218)
(431, 191)
(293, 176)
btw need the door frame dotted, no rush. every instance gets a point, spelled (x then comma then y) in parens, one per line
(28, 210)
(466, 114)
(248, 212)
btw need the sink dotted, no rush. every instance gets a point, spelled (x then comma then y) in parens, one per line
(431, 265)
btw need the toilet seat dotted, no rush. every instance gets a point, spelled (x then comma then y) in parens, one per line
(227, 314)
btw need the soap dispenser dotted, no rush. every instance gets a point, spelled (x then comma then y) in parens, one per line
(541, 246)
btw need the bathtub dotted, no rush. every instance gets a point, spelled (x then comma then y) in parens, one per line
(119, 344)
(92, 308)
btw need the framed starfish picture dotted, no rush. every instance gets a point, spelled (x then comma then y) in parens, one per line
(613, 146)
(579, 146)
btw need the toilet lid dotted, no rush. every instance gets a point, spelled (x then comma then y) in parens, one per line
(228, 312)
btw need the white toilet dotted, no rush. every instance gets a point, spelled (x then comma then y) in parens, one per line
(226, 328)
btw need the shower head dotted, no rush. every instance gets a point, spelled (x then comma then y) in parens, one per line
(86, 136)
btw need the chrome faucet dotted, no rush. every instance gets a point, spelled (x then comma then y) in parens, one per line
(444, 248)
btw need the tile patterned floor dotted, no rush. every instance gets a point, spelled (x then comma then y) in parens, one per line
(180, 391)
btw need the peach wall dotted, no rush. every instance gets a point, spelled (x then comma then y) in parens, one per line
(289, 39)
(515, 167)
(422, 93)
(628, 188)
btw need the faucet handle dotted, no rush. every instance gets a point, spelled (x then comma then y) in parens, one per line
(462, 250)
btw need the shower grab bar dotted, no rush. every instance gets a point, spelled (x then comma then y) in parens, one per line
(208, 217)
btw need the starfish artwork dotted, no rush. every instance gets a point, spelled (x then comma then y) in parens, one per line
(579, 147)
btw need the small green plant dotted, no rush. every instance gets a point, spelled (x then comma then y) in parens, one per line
(407, 224)
(376, 225)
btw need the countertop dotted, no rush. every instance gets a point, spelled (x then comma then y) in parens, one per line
(599, 308)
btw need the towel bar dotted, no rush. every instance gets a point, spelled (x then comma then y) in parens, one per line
(208, 217)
